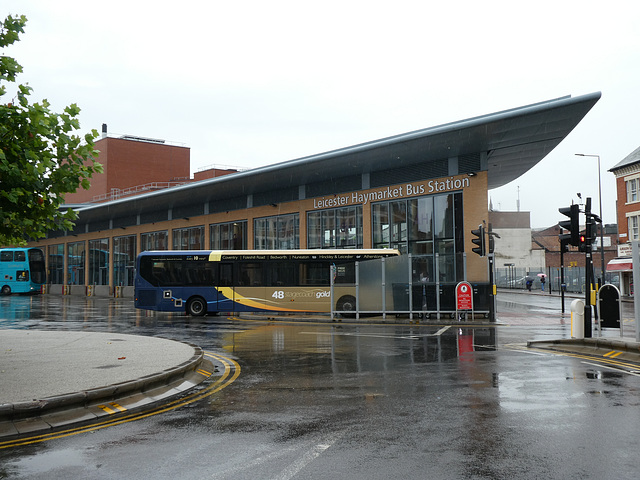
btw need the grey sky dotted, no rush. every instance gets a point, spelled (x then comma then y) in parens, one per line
(252, 83)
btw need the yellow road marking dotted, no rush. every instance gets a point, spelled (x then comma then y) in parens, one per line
(222, 382)
(203, 372)
(107, 409)
(633, 367)
(612, 354)
(118, 407)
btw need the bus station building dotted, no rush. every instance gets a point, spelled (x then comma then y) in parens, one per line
(421, 192)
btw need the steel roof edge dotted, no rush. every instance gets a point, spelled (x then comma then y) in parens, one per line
(426, 132)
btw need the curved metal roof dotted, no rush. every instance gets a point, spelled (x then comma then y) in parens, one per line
(515, 140)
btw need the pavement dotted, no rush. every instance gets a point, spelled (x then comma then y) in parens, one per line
(52, 379)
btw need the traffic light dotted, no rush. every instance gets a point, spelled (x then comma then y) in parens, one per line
(490, 238)
(582, 243)
(572, 225)
(479, 240)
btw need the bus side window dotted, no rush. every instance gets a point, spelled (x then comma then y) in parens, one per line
(19, 256)
(314, 274)
(6, 256)
(226, 275)
(281, 274)
(250, 274)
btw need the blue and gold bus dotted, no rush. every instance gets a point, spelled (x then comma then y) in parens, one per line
(200, 282)
(22, 270)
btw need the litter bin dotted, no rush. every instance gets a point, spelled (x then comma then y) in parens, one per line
(577, 318)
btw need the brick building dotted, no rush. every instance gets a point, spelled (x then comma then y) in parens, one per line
(627, 173)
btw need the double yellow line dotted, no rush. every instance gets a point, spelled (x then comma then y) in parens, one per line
(607, 358)
(230, 374)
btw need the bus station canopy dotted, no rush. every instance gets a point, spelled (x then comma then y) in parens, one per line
(514, 141)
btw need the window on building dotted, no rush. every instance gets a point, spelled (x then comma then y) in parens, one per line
(154, 241)
(228, 236)
(634, 221)
(380, 225)
(99, 262)
(75, 263)
(424, 227)
(191, 238)
(124, 260)
(55, 273)
(277, 233)
(335, 228)
(632, 189)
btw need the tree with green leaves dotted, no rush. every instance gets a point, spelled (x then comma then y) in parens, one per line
(41, 156)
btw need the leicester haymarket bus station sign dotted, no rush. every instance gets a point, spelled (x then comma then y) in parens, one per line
(407, 190)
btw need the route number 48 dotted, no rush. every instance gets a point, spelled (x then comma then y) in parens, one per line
(279, 294)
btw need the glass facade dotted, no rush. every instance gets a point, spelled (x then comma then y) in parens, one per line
(75, 263)
(154, 241)
(99, 262)
(277, 233)
(429, 227)
(335, 228)
(55, 273)
(124, 260)
(424, 227)
(228, 236)
(191, 238)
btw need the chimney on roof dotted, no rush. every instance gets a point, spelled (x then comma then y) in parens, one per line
(104, 130)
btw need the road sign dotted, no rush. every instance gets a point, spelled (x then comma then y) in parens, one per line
(464, 296)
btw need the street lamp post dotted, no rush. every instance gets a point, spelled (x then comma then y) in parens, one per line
(601, 222)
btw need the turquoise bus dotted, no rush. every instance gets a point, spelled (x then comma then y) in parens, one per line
(22, 270)
(210, 281)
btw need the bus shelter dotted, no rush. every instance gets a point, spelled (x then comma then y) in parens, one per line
(394, 286)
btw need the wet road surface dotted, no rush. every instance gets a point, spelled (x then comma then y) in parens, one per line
(342, 400)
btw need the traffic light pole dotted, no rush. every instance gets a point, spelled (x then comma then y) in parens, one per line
(563, 287)
(587, 300)
(588, 271)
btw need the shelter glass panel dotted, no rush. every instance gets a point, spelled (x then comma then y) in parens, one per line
(228, 236)
(99, 262)
(277, 232)
(191, 238)
(124, 260)
(154, 241)
(335, 228)
(56, 264)
(75, 263)
(314, 230)
(423, 227)
(380, 225)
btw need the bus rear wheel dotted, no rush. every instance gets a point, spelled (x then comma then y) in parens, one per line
(346, 305)
(196, 306)
(6, 290)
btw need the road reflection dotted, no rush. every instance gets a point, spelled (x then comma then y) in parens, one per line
(356, 348)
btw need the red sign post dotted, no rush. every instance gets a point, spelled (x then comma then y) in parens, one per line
(464, 297)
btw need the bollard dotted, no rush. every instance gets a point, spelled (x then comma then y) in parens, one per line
(577, 318)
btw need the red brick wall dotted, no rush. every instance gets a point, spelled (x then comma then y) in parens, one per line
(129, 163)
(622, 209)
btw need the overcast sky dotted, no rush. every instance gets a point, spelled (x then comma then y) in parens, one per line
(252, 83)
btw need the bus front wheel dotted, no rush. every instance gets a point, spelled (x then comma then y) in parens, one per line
(196, 306)
(6, 290)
